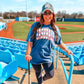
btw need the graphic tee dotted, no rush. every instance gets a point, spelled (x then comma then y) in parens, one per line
(43, 43)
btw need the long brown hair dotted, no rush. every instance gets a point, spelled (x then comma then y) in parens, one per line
(39, 25)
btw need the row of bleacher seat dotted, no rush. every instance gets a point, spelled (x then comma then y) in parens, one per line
(78, 53)
(13, 45)
(13, 50)
(18, 53)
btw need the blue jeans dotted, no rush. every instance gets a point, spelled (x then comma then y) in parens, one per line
(49, 71)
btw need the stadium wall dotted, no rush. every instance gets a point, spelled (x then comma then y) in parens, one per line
(73, 20)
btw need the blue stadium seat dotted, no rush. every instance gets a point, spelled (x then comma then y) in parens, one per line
(78, 53)
(21, 61)
(8, 65)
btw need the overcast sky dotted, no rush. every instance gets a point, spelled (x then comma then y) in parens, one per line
(70, 6)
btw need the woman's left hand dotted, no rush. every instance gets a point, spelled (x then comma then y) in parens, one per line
(69, 52)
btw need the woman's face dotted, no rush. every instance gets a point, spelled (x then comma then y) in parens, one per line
(47, 16)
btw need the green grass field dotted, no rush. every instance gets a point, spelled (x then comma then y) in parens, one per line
(71, 29)
(21, 30)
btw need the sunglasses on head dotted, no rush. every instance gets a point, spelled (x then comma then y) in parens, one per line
(49, 13)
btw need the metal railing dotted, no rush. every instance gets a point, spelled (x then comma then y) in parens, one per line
(68, 77)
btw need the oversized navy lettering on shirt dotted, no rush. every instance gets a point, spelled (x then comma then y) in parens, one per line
(43, 42)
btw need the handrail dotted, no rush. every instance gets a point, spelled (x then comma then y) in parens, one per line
(68, 77)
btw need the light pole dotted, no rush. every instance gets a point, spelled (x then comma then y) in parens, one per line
(2, 14)
(26, 11)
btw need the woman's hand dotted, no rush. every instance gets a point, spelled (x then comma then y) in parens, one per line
(28, 57)
(69, 52)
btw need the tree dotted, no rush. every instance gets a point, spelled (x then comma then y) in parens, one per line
(6, 15)
(74, 15)
(0, 14)
(59, 14)
(80, 15)
(33, 14)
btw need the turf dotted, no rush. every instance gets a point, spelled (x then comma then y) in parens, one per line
(71, 29)
(21, 30)
(72, 37)
(73, 23)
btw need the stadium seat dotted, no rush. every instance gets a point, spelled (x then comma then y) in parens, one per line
(12, 53)
(8, 65)
(21, 61)
(78, 53)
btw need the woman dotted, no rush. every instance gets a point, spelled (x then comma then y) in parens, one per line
(42, 38)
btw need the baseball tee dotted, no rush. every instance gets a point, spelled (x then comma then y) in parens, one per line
(43, 43)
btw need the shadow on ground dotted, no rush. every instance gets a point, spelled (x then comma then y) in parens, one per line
(33, 83)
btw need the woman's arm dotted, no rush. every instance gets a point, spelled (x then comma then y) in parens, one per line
(29, 47)
(62, 46)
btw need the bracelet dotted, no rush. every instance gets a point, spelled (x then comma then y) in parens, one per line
(27, 54)
(65, 49)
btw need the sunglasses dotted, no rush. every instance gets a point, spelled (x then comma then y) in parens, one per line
(45, 13)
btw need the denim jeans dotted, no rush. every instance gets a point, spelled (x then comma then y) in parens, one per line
(49, 71)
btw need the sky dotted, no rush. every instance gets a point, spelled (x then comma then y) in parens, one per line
(69, 6)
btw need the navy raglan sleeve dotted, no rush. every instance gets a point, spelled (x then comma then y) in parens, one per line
(59, 40)
(31, 33)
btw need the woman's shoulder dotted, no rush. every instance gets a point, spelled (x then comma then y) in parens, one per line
(35, 23)
(56, 27)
